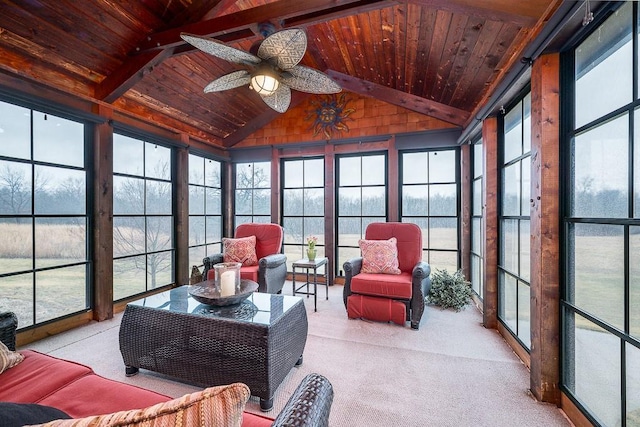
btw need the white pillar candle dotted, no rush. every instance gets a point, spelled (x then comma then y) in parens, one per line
(227, 283)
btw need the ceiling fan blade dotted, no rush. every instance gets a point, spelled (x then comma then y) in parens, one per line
(279, 100)
(309, 80)
(229, 81)
(285, 47)
(220, 50)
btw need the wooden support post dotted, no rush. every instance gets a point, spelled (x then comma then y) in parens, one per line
(229, 200)
(275, 186)
(490, 250)
(393, 181)
(329, 209)
(465, 210)
(545, 228)
(103, 217)
(182, 270)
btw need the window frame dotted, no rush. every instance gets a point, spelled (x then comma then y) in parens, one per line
(210, 247)
(504, 273)
(428, 250)
(146, 141)
(87, 168)
(292, 248)
(569, 131)
(356, 248)
(477, 283)
(261, 218)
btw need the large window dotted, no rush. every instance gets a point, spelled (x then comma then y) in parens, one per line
(430, 199)
(205, 208)
(601, 302)
(253, 193)
(143, 247)
(477, 219)
(362, 199)
(513, 266)
(302, 206)
(43, 215)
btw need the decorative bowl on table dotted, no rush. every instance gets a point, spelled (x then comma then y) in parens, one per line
(207, 293)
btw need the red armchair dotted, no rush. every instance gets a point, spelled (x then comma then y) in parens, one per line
(390, 297)
(271, 271)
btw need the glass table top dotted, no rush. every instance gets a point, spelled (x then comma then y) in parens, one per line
(259, 307)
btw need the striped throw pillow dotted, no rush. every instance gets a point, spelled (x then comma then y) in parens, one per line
(8, 358)
(220, 406)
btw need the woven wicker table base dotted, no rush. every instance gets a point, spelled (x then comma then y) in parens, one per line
(256, 342)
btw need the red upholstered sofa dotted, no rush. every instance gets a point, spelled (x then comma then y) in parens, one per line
(389, 297)
(78, 391)
(271, 271)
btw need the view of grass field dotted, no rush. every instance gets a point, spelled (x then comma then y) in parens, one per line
(599, 279)
(597, 373)
(62, 289)
(598, 265)
(59, 292)
(599, 284)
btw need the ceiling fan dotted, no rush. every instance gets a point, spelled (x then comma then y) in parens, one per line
(272, 72)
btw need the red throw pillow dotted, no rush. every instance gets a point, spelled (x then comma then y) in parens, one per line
(379, 256)
(242, 250)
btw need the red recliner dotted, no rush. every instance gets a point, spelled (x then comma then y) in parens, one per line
(271, 271)
(390, 297)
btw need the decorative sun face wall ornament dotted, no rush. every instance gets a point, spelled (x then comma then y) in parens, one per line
(329, 114)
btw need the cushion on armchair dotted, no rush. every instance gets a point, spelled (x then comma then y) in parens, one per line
(409, 241)
(379, 256)
(268, 237)
(249, 273)
(242, 250)
(383, 285)
(377, 309)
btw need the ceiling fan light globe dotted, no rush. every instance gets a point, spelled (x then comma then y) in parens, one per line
(264, 84)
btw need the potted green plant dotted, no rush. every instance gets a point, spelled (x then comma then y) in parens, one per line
(311, 247)
(449, 290)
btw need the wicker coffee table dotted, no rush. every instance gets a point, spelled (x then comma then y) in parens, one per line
(256, 342)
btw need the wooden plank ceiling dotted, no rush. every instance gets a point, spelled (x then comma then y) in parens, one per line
(437, 57)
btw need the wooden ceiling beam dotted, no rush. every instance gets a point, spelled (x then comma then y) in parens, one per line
(263, 119)
(131, 72)
(235, 36)
(521, 13)
(235, 26)
(277, 11)
(340, 11)
(401, 99)
(137, 109)
(218, 9)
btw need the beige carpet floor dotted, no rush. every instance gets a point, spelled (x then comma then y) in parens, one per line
(452, 372)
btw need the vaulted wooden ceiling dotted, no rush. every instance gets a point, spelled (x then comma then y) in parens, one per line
(442, 58)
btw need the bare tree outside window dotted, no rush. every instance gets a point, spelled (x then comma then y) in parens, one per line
(253, 193)
(15, 188)
(205, 208)
(303, 206)
(143, 217)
